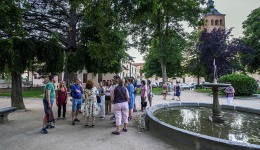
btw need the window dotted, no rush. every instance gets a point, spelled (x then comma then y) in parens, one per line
(216, 22)
(75, 76)
(127, 66)
(156, 78)
(212, 22)
(220, 22)
(85, 77)
(140, 74)
(132, 69)
(123, 74)
(35, 76)
(59, 78)
(135, 70)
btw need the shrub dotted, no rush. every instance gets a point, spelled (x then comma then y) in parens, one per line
(243, 84)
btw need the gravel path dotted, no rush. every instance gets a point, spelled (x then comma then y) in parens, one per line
(23, 130)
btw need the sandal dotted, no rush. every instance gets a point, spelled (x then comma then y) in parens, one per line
(116, 133)
(101, 118)
(135, 110)
(129, 119)
(93, 125)
(58, 118)
(63, 118)
(124, 129)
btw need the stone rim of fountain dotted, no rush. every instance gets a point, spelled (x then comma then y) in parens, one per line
(220, 142)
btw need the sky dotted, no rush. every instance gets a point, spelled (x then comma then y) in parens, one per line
(236, 13)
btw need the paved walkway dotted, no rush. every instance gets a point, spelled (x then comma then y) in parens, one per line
(23, 130)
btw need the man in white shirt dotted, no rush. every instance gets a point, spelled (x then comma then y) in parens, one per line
(172, 89)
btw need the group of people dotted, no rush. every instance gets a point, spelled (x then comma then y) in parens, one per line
(174, 89)
(111, 92)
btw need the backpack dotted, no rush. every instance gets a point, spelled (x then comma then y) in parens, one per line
(49, 116)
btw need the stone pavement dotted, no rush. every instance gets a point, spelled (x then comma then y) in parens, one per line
(23, 130)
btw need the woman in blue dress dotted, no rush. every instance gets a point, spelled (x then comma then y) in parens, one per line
(130, 89)
(178, 91)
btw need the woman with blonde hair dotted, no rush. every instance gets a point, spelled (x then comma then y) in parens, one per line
(61, 99)
(90, 104)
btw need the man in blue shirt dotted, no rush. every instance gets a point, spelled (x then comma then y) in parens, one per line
(135, 90)
(77, 91)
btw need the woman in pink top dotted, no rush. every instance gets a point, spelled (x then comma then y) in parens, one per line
(143, 96)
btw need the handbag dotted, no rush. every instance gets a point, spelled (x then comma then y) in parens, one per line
(83, 96)
(49, 116)
(164, 91)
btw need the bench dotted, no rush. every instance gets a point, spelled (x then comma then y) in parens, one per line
(4, 112)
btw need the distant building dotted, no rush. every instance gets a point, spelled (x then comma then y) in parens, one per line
(215, 20)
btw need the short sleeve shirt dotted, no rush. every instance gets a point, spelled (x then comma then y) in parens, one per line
(143, 93)
(74, 94)
(229, 89)
(49, 86)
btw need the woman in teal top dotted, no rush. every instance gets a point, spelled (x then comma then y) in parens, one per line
(130, 89)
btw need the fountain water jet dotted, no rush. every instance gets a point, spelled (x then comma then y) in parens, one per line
(216, 111)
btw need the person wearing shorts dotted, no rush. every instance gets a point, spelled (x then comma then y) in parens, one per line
(48, 98)
(77, 91)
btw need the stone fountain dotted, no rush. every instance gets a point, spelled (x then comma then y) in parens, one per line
(216, 111)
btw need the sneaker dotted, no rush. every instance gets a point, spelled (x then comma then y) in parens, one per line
(72, 123)
(77, 120)
(44, 131)
(50, 127)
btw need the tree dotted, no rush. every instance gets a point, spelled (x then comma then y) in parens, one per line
(230, 55)
(192, 55)
(157, 19)
(98, 19)
(251, 31)
(18, 53)
(174, 49)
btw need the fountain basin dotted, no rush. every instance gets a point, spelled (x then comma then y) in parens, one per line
(190, 140)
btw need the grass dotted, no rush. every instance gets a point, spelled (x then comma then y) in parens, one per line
(31, 94)
(258, 92)
(155, 90)
(223, 95)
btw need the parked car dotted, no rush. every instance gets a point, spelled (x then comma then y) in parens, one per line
(138, 84)
(185, 86)
(154, 85)
(192, 85)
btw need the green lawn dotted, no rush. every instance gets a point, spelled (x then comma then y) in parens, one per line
(223, 95)
(155, 90)
(32, 94)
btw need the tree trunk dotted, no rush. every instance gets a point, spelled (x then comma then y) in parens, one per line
(163, 61)
(72, 43)
(16, 96)
(164, 73)
(67, 77)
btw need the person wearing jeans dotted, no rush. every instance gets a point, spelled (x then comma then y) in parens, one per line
(143, 96)
(102, 93)
(230, 91)
(120, 99)
(48, 98)
(77, 91)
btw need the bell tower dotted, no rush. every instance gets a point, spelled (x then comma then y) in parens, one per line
(215, 20)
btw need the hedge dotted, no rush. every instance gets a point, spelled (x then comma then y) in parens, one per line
(243, 84)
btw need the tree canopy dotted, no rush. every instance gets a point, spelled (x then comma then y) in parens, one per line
(251, 31)
(230, 54)
(159, 19)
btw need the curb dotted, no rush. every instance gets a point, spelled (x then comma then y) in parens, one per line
(253, 98)
(23, 97)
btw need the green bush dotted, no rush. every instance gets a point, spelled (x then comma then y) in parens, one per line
(243, 84)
